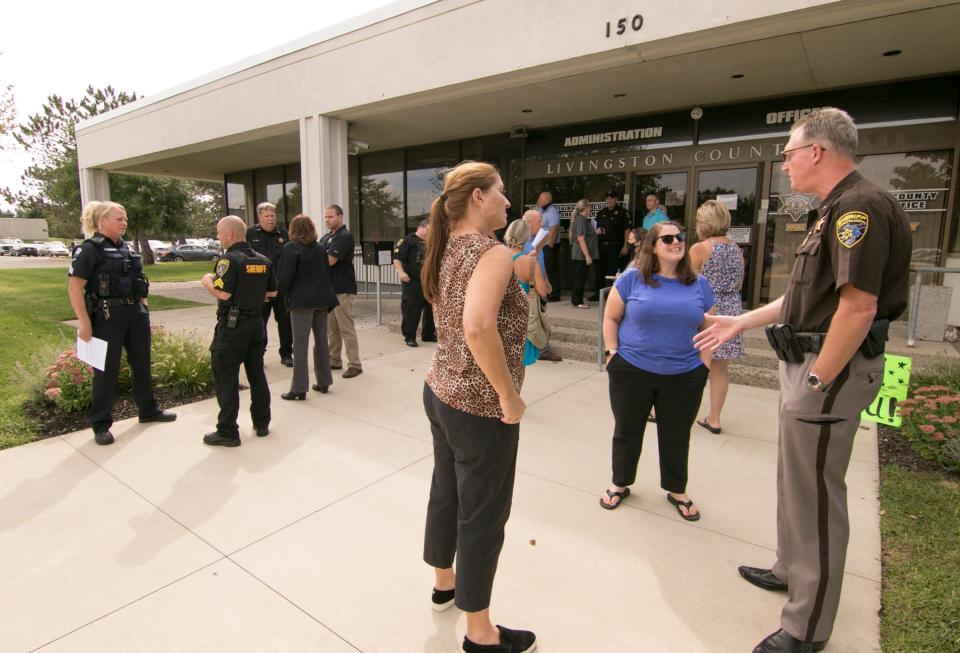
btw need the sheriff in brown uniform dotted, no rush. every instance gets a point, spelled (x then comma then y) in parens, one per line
(849, 280)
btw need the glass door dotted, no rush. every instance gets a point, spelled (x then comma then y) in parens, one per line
(670, 189)
(737, 190)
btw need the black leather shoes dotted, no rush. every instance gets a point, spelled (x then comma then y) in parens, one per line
(322, 389)
(411, 342)
(762, 578)
(290, 396)
(286, 361)
(783, 642)
(429, 338)
(216, 440)
(162, 416)
(511, 641)
(103, 437)
(262, 431)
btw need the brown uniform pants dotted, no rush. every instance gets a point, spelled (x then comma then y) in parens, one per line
(816, 440)
(341, 332)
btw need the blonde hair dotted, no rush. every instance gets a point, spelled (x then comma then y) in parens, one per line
(93, 212)
(581, 205)
(713, 219)
(516, 234)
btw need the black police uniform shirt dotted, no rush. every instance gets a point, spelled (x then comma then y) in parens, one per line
(862, 237)
(268, 243)
(614, 223)
(247, 275)
(411, 251)
(87, 258)
(339, 244)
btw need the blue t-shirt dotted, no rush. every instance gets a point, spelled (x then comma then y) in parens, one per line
(551, 218)
(655, 216)
(656, 333)
(528, 247)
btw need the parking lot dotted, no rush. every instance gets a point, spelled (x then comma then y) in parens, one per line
(34, 262)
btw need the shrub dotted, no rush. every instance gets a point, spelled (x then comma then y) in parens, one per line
(931, 416)
(69, 383)
(181, 364)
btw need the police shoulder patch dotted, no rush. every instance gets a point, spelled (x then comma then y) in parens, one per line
(222, 266)
(851, 228)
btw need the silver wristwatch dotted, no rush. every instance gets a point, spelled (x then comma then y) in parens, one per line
(814, 382)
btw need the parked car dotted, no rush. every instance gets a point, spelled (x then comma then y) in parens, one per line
(56, 248)
(7, 245)
(190, 253)
(26, 249)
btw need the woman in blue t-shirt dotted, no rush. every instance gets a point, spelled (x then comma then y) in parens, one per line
(652, 314)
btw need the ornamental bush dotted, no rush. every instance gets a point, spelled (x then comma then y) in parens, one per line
(181, 364)
(931, 416)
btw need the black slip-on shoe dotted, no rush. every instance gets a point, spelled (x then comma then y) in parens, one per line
(442, 599)
(162, 416)
(783, 642)
(294, 396)
(261, 431)
(429, 338)
(762, 578)
(103, 437)
(214, 439)
(411, 342)
(286, 361)
(511, 641)
(322, 389)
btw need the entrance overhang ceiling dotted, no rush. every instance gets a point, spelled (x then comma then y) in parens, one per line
(586, 90)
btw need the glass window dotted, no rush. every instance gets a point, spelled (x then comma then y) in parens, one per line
(268, 187)
(239, 184)
(426, 167)
(381, 196)
(292, 200)
(920, 181)
(353, 192)
(669, 187)
(787, 218)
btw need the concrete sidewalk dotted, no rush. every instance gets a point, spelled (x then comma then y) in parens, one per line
(310, 539)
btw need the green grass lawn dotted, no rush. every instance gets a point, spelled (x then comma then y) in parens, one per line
(186, 271)
(33, 304)
(921, 562)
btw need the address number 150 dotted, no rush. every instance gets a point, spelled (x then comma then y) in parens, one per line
(634, 23)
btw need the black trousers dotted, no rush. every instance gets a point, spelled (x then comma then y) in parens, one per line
(474, 464)
(413, 305)
(606, 265)
(579, 281)
(280, 314)
(551, 262)
(128, 329)
(676, 397)
(242, 345)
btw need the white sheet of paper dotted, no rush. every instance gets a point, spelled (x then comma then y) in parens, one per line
(729, 201)
(543, 233)
(93, 352)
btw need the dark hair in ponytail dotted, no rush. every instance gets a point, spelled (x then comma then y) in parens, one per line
(446, 211)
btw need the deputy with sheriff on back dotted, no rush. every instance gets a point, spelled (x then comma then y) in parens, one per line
(108, 292)
(408, 258)
(849, 281)
(242, 282)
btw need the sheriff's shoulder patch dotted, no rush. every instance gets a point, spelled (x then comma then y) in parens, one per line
(222, 266)
(851, 228)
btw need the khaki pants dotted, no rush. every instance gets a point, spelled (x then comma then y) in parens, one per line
(341, 331)
(816, 439)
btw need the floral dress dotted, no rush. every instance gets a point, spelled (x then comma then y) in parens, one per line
(724, 270)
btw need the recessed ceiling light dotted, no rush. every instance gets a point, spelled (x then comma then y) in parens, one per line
(737, 76)
(619, 95)
(892, 53)
(526, 110)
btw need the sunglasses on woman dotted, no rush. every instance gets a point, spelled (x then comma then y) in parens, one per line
(669, 238)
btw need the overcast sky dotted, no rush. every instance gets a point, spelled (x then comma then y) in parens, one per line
(62, 47)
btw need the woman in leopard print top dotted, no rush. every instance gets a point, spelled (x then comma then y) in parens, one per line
(472, 397)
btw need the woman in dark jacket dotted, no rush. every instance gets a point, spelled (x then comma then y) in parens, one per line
(303, 278)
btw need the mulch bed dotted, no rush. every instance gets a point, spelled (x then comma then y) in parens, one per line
(51, 421)
(895, 450)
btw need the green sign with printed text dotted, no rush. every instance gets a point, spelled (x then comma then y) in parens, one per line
(896, 385)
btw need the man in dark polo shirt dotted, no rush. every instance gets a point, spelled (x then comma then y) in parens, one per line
(849, 280)
(338, 241)
(408, 258)
(268, 238)
(613, 226)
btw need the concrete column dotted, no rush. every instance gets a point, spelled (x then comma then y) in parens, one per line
(94, 185)
(323, 167)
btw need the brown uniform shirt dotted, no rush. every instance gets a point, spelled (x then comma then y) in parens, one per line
(862, 237)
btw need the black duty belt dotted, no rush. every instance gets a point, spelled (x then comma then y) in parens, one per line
(811, 342)
(119, 301)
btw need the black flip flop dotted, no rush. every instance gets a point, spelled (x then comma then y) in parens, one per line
(676, 503)
(623, 494)
(705, 424)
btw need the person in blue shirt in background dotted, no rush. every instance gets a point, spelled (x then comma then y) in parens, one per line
(551, 249)
(655, 212)
(654, 310)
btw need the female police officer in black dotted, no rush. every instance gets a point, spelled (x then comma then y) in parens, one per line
(108, 292)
